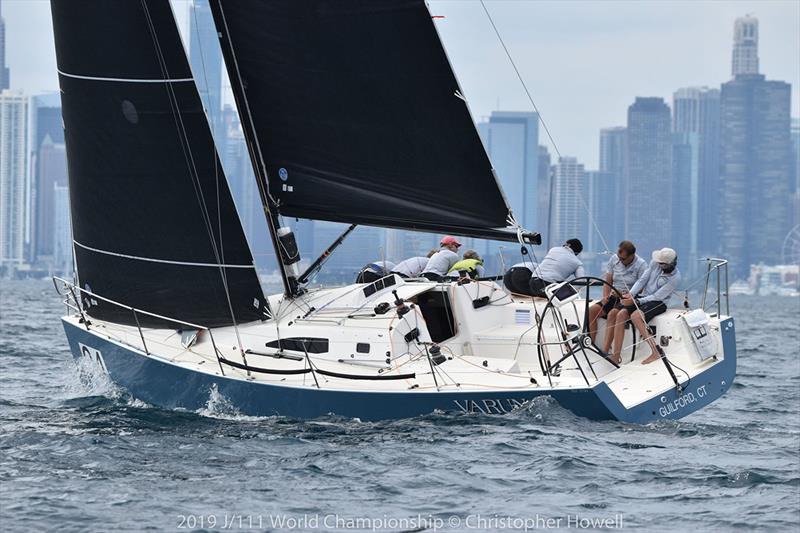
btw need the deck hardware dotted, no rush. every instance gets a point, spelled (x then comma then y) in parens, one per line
(483, 301)
(412, 335)
(382, 308)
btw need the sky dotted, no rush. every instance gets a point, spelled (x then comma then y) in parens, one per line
(583, 62)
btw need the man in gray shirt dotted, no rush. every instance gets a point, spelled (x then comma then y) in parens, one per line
(647, 299)
(442, 261)
(559, 264)
(623, 270)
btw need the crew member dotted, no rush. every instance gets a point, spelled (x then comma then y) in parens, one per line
(517, 279)
(374, 271)
(623, 270)
(560, 263)
(413, 266)
(647, 299)
(442, 261)
(471, 265)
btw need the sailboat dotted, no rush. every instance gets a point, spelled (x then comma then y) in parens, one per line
(352, 113)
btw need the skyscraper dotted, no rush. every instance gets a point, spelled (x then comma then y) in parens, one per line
(51, 164)
(48, 167)
(14, 183)
(62, 233)
(696, 111)
(612, 162)
(745, 46)
(755, 160)
(5, 76)
(206, 60)
(570, 218)
(647, 180)
(603, 213)
(794, 183)
(511, 139)
(543, 194)
(685, 205)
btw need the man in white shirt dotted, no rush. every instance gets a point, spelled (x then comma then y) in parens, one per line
(623, 270)
(442, 261)
(374, 271)
(558, 265)
(413, 266)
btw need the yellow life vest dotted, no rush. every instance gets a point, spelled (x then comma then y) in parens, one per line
(468, 265)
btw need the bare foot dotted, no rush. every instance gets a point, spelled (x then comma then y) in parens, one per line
(652, 359)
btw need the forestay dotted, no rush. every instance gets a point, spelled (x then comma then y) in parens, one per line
(153, 220)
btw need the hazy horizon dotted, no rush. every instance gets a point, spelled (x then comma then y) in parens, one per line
(584, 62)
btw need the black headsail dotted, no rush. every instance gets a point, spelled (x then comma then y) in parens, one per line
(153, 221)
(355, 115)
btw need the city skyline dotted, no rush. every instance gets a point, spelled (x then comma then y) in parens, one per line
(586, 41)
(661, 171)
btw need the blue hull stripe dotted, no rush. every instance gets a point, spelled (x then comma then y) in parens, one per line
(167, 385)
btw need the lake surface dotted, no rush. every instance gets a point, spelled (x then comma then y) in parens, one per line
(78, 454)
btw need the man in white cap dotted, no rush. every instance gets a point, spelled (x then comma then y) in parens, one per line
(442, 261)
(647, 299)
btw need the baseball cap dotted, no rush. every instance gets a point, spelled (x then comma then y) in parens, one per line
(447, 239)
(665, 255)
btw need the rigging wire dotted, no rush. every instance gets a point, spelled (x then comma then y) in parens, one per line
(541, 119)
(549, 135)
(192, 167)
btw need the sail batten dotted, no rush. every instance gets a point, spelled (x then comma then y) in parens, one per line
(153, 219)
(358, 116)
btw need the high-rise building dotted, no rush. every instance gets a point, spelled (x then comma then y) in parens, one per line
(15, 190)
(612, 162)
(62, 232)
(511, 139)
(685, 205)
(745, 46)
(794, 182)
(51, 165)
(696, 111)
(647, 179)
(755, 164)
(205, 57)
(543, 195)
(569, 218)
(5, 76)
(603, 213)
(48, 166)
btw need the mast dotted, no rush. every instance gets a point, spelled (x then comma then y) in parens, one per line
(290, 285)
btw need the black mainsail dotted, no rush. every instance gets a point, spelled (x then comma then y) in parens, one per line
(153, 221)
(355, 115)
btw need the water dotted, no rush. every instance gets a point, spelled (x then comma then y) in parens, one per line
(78, 454)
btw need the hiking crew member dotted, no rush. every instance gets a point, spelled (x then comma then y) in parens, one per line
(442, 261)
(471, 265)
(517, 279)
(374, 271)
(413, 266)
(560, 263)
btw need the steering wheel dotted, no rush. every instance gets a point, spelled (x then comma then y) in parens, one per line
(582, 341)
